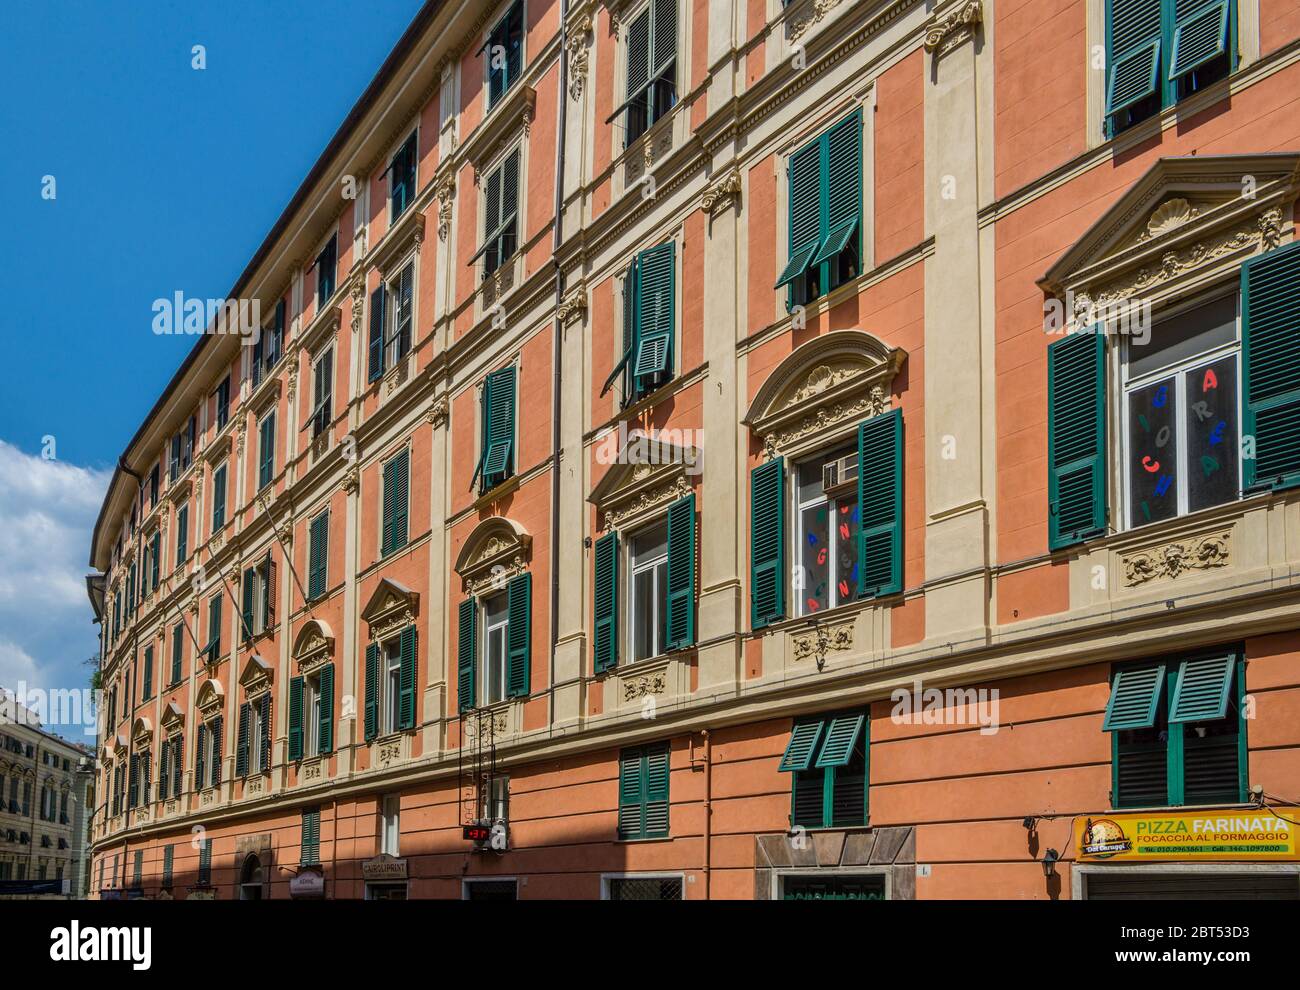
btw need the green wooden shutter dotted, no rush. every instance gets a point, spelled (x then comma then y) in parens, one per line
(264, 755)
(372, 691)
(605, 645)
(218, 748)
(200, 758)
(178, 765)
(266, 451)
(169, 853)
(681, 573)
(396, 503)
(295, 718)
(466, 654)
(148, 672)
(325, 726)
(805, 211)
(377, 301)
(657, 773)
(1134, 698)
(841, 736)
(178, 646)
(843, 209)
(1201, 692)
(767, 542)
(1200, 35)
(630, 794)
(218, 498)
(214, 627)
(1076, 439)
(157, 559)
(799, 750)
(164, 769)
(318, 556)
(519, 615)
(1270, 300)
(1133, 40)
(629, 328)
(499, 426)
(309, 853)
(880, 501)
(656, 271)
(638, 74)
(247, 615)
(182, 536)
(406, 680)
(241, 743)
(389, 508)
(269, 592)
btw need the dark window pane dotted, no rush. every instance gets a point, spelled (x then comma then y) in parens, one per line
(815, 557)
(1153, 453)
(1182, 337)
(847, 521)
(1212, 447)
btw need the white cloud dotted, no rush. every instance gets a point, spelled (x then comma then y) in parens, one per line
(49, 510)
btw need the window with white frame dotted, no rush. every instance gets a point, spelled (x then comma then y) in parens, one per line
(392, 692)
(650, 88)
(648, 601)
(397, 334)
(311, 702)
(322, 390)
(401, 178)
(496, 628)
(500, 214)
(826, 522)
(390, 825)
(1181, 412)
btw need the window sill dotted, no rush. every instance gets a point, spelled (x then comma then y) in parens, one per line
(650, 838)
(1179, 808)
(501, 488)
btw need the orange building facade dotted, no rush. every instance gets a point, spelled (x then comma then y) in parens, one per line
(662, 469)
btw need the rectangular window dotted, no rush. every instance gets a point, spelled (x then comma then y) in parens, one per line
(401, 179)
(266, 451)
(505, 53)
(392, 684)
(169, 853)
(272, 341)
(390, 825)
(1177, 731)
(494, 799)
(1161, 51)
(394, 521)
(259, 598)
(650, 89)
(214, 628)
(495, 631)
(219, 498)
(826, 528)
(322, 375)
(326, 270)
(1182, 411)
(182, 533)
(648, 598)
(401, 293)
(178, 647)
(500, 215)
(649, 321)
(643, 805)
(496, 460)
(310, 837)
(825, 218)
(318, 556)
(827, 760)
(147, 680)
(153, 487)
(222, 404)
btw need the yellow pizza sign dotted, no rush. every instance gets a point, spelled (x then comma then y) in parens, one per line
(1217, 834)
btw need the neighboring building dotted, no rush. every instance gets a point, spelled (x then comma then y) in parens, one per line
(45, 785)
(393, 605)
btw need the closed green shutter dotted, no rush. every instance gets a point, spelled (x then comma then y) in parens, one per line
(1134, 698)
(1200, 35)
(519, 615)
(880, 501)
(406, 680)
(148, 672)
(218, 749)
(805, 211)
(325, 726)
(643, 800)
(1270, 300)
(657, 773)
(605, 645)
(498, 427)
(377, 333)
(655, 312)
(1133, 41)
(169, 853)
(466, 654)
(799, 750)
(1076, 439)
(1201, 693)
(178, 646)
(295, 718)
(767, 542)
(200, 758)
(164, 769)
(318, 556)
(681, 573)
(157, 560)
(214, 628)
(310, 852)
(372, 691)
(247, 612)
(218, 498)
(241, 743)
(182, 535)
(630, 788)
(264, 755)
(266, 451)
(396, 503)
(841, 736)
(178, 764)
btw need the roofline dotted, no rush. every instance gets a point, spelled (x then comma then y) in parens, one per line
(387, 72)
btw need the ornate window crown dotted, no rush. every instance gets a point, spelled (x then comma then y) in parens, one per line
(497, 549)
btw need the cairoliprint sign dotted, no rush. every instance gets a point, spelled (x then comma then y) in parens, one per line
(1228, 834)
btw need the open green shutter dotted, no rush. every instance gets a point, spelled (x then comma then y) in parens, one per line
(467, 655)
(843, 187)
(295, 718)
(218, 749)
(1076, 438)
(605, 648)
(241, 746)
(657, 773)
(401, 498)
(325, 725)
(1200, 35)
(841, 735)
(805, 211)
(499, 426)
(799, 750)
(681, 573)
(1133, 39)
(406, 679)
(519, 620)
(377, 306)
(880, 502)
(1134, 698)
(767, 542)
(1270, 301)
(656, 272)
(1201, 693)
(372, 691)
(631, 791)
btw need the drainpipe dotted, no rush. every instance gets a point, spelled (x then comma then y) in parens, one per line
(557, 332)
(708, 810)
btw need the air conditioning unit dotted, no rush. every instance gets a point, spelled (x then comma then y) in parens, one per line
(840, 476)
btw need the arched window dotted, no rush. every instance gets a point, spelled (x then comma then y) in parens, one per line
(251, 879)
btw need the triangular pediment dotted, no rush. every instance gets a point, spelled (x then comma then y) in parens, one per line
(391, 606)
(256, 676)
(173, 719)
(210, 699)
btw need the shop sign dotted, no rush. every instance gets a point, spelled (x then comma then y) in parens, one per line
(307, 883)
(1221, 834)
(383, 867)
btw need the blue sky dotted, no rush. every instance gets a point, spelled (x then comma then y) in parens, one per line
(166, 179)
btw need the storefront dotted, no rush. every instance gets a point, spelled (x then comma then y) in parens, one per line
(385, 878)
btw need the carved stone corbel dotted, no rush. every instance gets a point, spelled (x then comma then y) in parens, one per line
(954, 29)
(574, 305)
(577, 53)
(722, 191)
(445, 192)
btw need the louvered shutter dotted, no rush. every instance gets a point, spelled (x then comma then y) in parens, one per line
(767, 542)
(264, 757)
(805, 211)
(499, 425)
(372, 691)
(605, 642)
(178, 646)
(148, 671)
(405, 310)
(218, 749)
(631, 789)
(1133, 39)
(1076, 439)
(1134, 698)
(241, 743)
(377, 333)
(325, 727)
(406, 680)
(1270, 294)
(492, 213)
(519, 615)
(466, 654)
(1200, 35)
(178, 764)
(133, 790)
(266, 450)
(681, 573)
(656, 270)
(247, 615)
(200, 756)
(219, 498)
(638, 73)
(269, 593)
(843, 168)
(164, 769)
(657, 773)
(842, 733)
(799, 750)
(295, 718)
(665, 34)
(1201, 692)
(319, 556)
(629, 326)
(880, 502)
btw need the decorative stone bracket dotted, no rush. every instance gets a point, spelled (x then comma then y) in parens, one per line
(954, 29)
